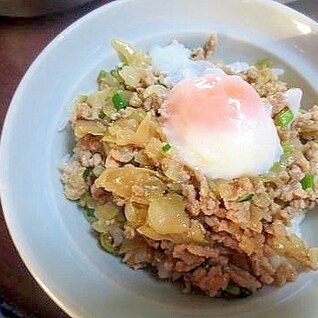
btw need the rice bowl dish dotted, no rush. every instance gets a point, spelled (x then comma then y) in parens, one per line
(53, 238)
(198, 171)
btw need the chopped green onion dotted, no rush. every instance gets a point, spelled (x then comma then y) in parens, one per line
(106, 243)
(115, 74)
(102, 75)
(245, 197)
(85, 174)
(284, 117)
(287, 148)
(264, 63)
(233, 289)
(308, 181)
(81, 98)
(166, 148)
(119, 101)
(102, 115)
(107, 78)
(287, 158)
(276, 167)
(90, 212)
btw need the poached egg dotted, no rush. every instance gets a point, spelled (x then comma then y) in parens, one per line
(217, 122)
(220, 126)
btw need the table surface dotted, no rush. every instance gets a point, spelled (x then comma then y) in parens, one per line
(21, 40)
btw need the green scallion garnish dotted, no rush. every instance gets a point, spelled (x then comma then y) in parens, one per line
(81, 98)
(107, 244)
(166, 148)
(85, 174)
(101, 75)
(308, 182)
(233, 289)
(102, 115)
(119, 101)
(245, 197)
(284, 117)
(90, 212)
(115, 74)
(287, 148)
(264, 63)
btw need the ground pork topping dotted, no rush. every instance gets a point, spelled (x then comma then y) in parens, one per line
(224, 238)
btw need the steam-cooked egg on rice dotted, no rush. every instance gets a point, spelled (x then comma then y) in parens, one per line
(220, 126)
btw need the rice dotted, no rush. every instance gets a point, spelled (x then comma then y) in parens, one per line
(127, 180)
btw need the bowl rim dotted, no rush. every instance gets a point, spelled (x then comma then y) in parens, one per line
(13, 109)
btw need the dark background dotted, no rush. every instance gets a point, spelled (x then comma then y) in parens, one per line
(21, 40)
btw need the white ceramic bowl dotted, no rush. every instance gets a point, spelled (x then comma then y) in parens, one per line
(50, 232)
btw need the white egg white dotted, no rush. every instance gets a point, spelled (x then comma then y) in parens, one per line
(251, 152)
(175, 61)
(225, 156)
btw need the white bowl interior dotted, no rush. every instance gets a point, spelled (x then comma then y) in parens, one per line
(50, 232)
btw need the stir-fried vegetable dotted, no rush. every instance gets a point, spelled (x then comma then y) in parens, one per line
(291, 151)
(245, 197)
(129, 131)
(129, 55)
(85, 174)
(102, 115)
(193, 234)
(107, 211)
(86, 200)
(233, 289)
(157, 89)
(106, 243)
(138, 115)
(288, 148)
(264, 63)
(108, 78)
(308, 182)
(166, 215)
(85, 127)
(81, 98)
(135, 214)
(90, 212)
(116, 76)
(97, 170)
(293, 247)
(124, 50)
(119, 101)
(284, 117)
(138, 184)
(131, 75)
(166, 148)
(101, 76)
